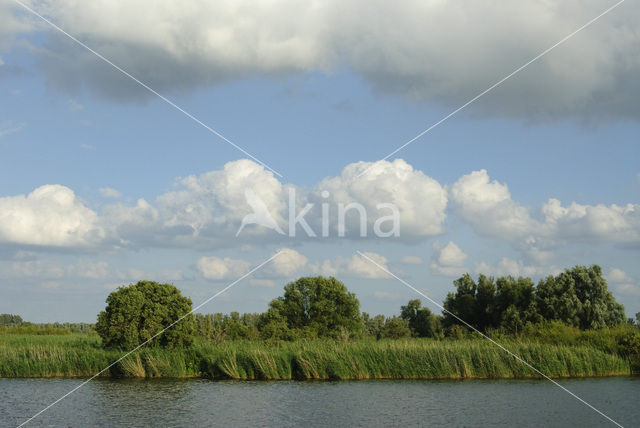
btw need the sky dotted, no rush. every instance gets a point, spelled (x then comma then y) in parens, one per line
(103, 183)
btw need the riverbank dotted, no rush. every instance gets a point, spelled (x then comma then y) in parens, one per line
(81, 355)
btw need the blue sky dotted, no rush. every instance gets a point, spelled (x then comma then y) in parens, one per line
(113, 162)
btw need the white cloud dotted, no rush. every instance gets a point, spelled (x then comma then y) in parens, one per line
(286, 264)
(262, 282)
(133, 275)
(448, 260)
(426, 50)
(204, 212)
(618, 275)
(354, 266)
(51, 270)
(108, 192)
(592, 222)
(51, 215)
(487, 206)
(213, 204)
(31, 269)
(507, 266)
(623, 283)
(411, 260)
(420, 199)
(90, 269)
(216, 268)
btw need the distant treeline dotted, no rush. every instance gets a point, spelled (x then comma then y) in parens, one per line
(318, 307)
(10, 323)
(577, 297)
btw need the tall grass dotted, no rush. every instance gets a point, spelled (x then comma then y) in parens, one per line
(82, 355)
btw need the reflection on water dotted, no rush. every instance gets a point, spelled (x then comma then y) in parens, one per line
(108, 402)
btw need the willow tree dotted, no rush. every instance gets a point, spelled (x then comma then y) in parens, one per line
(579, 297)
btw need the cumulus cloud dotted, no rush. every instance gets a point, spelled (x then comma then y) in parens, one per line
(50, 270)
(593, 222)
(507, 266)
(216, 268)
(411, 260)
(109, 192)
(205, 212)
(257, 282)
(354, 266)
(448, 260)
(286, 264)
(430, 50)
(488, 207)
(51, 215)
(212, 205)
(420, 200)
(618, 275)
(623, 283)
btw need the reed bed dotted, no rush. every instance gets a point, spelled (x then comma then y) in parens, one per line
(81, 355)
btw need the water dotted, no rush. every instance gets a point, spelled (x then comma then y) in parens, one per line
(145, 403)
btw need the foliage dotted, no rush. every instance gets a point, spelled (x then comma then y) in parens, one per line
(10, 320)
(136, 313)
(373, 326)
(219, 327)
(396, 328)
(422, 322)
(577, 297)
(415, 358)
(314, 307)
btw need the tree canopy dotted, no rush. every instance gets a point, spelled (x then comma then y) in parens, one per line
(578, 297)
(313, 306)
(137, 312)
(422, 322)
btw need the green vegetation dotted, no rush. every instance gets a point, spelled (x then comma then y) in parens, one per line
(136, 313)
(577, 297)
(567, 325)
(83, 355)
(312, 307)
(13, 324)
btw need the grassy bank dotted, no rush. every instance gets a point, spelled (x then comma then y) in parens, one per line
(82, 355)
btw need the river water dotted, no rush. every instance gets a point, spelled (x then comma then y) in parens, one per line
(182, 403)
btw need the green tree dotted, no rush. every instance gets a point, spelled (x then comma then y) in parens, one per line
(373, 326)
(515, 303)
(318, 305)
(135, 313)
(472, 302)
(272, 324)
(10, 320)
(396, 328)
(579, 297)
(422, 322)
